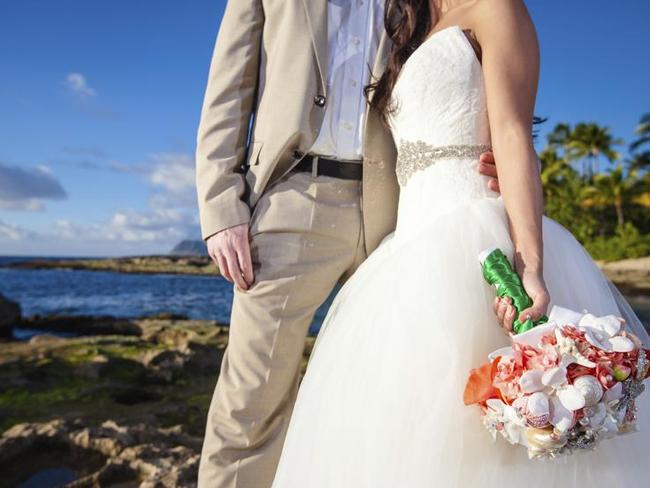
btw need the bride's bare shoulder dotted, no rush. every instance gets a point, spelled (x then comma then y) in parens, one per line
(501, 19)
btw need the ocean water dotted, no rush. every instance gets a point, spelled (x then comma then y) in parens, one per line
(77, 292)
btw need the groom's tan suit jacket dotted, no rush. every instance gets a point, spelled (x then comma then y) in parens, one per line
(267, 65)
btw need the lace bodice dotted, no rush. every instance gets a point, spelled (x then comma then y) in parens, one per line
(439, 94)
(440, 126)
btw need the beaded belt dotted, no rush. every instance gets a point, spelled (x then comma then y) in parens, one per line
(417, 155)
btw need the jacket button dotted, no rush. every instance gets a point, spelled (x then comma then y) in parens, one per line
(320, 100)
(298, 154)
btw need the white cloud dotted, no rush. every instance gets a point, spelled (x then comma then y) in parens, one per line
(26, 205)
(124, 227)
(174, 172)
(77, 83)
(12, 233)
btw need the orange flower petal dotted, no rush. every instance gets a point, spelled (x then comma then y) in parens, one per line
(479, 385)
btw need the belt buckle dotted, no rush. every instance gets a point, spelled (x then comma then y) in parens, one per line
(314, 166)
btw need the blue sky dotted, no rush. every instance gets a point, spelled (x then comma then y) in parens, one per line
(99, 103)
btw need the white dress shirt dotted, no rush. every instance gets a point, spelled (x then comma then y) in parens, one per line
(354, 28)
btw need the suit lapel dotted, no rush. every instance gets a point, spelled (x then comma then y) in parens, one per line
(316, 11)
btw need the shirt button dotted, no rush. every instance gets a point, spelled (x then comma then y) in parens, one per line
(320, 100)
(356, 41)
(347, 125)
(353, 82)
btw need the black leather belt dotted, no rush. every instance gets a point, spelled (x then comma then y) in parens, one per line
(331, 167)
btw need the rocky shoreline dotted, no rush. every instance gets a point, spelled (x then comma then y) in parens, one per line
(631, 276)
(194, 265)
(124, 406)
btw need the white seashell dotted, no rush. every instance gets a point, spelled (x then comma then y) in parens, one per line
(521, 403)
(564, 316)
(609, 324)
(538, 413)
(531, 381)
(554, 376)
(569, 351)
(533, 337)
(511, 414)
(544, 439)
(496, 405)
(583, 361)
(571, 398)
(587, 320)
(614, 393)
(537, 404)
(562, 418)
(597, 338)
(590, 388)
(504, 351)
(621, 344)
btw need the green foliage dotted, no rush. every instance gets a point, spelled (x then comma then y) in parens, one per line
(626, 243)
(643, 133)
(606, 210)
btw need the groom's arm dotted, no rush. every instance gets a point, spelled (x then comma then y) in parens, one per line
(225, 117)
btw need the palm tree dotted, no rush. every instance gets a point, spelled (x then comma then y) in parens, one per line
(640, 161)
(566, 197)
(617, 189)
(643, 133)
(588, 142)
(555, 170)
(559, 136)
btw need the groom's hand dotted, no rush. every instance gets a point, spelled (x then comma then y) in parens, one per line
(488, 167)
(230, 251)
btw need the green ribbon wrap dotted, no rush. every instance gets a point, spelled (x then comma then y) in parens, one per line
(498, 271)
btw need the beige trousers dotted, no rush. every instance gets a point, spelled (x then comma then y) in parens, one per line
(306, 233)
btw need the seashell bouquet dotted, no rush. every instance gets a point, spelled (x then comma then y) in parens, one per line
(562, 385)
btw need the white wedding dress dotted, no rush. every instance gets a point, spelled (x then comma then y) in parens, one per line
(381, 403)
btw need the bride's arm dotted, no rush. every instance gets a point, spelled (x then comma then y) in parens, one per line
(511, 70)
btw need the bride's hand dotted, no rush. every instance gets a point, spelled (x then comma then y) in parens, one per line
(536, 288)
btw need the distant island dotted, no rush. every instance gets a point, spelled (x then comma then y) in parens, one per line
(187, 257)
(190, 247)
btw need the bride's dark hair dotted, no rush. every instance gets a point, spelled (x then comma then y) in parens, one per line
(407, 23)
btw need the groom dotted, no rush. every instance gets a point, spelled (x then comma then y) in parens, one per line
(285, 131)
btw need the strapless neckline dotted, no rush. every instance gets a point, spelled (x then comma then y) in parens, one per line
(450, 29)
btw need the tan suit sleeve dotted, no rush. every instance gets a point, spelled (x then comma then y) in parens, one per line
(225, 117)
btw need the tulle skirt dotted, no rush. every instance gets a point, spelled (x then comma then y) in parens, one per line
(381, 403)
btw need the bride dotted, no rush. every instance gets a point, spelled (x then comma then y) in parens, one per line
(381, 403)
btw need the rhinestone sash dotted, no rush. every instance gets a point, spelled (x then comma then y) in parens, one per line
(417, 155)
